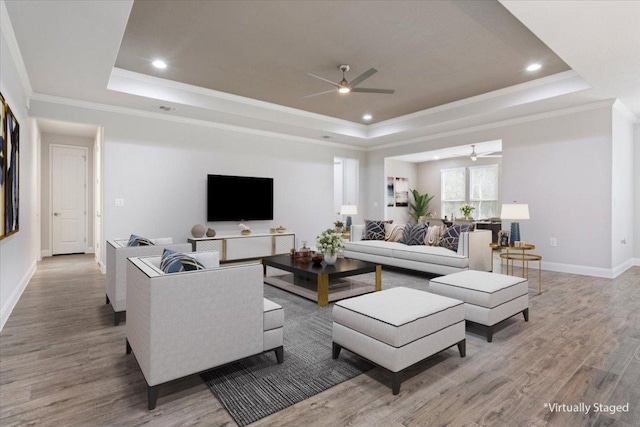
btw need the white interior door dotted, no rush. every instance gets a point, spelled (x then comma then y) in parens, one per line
(68, 199)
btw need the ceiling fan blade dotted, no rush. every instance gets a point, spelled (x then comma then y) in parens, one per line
(489, 155)
(324, 80)
(319, 93)
(362, 77)
(369, 90)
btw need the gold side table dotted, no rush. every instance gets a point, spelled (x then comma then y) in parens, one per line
(519, 253)
(525, 258)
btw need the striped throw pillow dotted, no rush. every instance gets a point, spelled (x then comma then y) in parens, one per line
(139, 241)
(433, 236)
(414, 234)
(175, 262)
(394, 233)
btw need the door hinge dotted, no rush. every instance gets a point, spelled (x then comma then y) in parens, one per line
(85, 158)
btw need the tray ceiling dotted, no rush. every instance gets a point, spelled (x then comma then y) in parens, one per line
(431, 53)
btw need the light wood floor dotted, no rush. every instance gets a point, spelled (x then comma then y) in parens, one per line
(62, 362)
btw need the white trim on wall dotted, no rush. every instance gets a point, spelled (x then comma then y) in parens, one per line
(618, 270)
(607, 273)
(15, 296)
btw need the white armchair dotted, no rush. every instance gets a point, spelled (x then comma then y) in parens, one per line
(116, 278)
(185, 323)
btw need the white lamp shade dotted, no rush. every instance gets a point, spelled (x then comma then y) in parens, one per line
(349, 210)
(515, 211)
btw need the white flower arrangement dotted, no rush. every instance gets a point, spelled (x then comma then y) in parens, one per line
(244, 227)
(329, 242)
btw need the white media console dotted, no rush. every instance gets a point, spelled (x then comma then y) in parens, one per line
(255, 245)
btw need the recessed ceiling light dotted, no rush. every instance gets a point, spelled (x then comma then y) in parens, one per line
(158, 63)
(367, 117)
(436, 157)
(534, 67)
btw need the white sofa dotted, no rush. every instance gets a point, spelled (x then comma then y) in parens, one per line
(473, 253)
(184, 323)
(116, 278)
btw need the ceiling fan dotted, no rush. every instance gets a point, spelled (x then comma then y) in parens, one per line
(346, 86)
(474, 156)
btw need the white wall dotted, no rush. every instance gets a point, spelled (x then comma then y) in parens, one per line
(46, 140)
(160, 167)
(20, 251)
(560, 166)
(397, 169)
(622, 192)
(429, 178)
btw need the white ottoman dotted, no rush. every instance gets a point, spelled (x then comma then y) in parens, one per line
(398, 327)
(489, 298)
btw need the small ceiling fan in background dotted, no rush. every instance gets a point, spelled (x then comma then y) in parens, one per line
(346, 86)
(474, 156)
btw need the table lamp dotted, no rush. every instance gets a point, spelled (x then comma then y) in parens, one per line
(348, 210)
(514, 212)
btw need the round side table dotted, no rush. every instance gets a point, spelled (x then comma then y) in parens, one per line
(525, 258)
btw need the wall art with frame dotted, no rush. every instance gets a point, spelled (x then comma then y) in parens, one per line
(402, 192)
(391, 198)
(2, 166)
(10, 173)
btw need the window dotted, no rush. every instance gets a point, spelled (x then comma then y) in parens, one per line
(481, 191)
(453, 188)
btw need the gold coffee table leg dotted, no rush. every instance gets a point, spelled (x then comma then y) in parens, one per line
(378, 278)
(323, 290)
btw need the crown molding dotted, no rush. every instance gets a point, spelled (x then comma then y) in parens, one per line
(224, 103)
(625, 111)
(10, 38)
(158, 81)
(502, 123)
(51, 99)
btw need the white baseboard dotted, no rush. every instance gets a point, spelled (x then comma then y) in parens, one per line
(607, 273)
(45, 252)
(622, 267)
(635, 261)
(89, 250)
(15, 296)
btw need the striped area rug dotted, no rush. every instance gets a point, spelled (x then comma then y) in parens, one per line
(257, 386)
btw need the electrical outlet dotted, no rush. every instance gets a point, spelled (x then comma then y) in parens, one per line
(553, 241)
(119, 202)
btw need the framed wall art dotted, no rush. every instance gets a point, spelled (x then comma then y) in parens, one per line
(391, 201)
(402, 191)
(11, 181)
(2, 165)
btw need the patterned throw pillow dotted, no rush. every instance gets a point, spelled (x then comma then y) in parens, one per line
(434, 234)
(394, 233)
(175, 262)
(138, 241)
(414, 234)
(451, 236)
(374, 230)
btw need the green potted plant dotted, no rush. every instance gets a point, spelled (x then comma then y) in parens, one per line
(466, 210)
(329, 242)
(418, 208)
(338, 225)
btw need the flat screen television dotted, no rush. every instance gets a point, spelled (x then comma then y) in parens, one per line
(239, 198)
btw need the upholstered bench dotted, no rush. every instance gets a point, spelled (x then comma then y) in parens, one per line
(398, 327)
(489, 298)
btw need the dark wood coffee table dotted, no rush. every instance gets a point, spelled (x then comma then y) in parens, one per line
(322, 283)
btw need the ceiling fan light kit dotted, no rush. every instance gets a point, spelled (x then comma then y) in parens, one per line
(345, 86)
